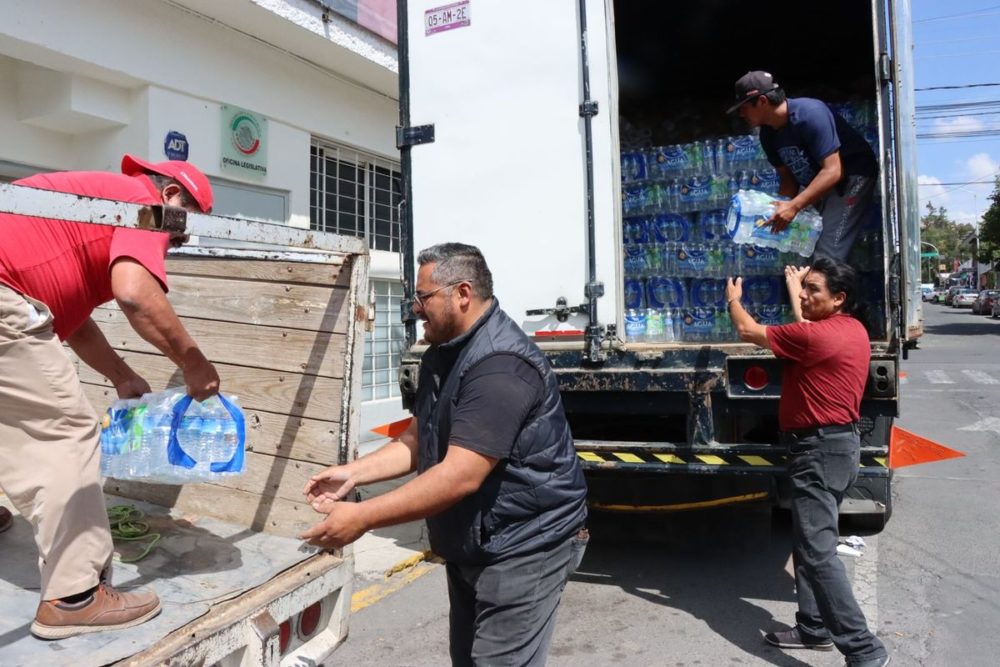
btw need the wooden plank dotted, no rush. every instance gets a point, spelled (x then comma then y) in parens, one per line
(257, 389)
(267, 304)
(274, 348)
(261, 270)
(256, 511)
(297, 438)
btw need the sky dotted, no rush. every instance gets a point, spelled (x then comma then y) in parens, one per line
(956, 44)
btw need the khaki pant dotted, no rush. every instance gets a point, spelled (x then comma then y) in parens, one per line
(49, 450)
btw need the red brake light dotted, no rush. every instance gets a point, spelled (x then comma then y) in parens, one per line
(284, 635)
(755, 378)
(309, 620)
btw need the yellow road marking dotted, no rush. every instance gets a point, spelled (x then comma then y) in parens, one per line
(712, 459)
(882, 461)
(369, 596)
(628, 458)
(590, 456)
(669, 458)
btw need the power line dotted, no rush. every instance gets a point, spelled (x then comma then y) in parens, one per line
(922, 185)
(953, 41)
(956, 55)
(958, 87)
(976, 12)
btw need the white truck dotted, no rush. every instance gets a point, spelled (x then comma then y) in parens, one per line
(283, 326)
(564, 137)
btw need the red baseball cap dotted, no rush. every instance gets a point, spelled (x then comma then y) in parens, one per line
(185, 173)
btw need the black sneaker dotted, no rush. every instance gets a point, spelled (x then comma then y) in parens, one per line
(6, 519)
(877, 662)
(792, 639)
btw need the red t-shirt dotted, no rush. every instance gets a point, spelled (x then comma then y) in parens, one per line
(826, 372)
(67, 265)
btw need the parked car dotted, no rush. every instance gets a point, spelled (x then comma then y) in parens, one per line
(938, 296)
(983, 305)
(996, 309)
(964, 298)
(926, 292)
(950, 295)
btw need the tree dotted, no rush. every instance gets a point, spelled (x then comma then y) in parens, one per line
(945, 234)
(989, 230)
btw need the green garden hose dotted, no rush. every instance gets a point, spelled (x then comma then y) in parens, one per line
(127, 525)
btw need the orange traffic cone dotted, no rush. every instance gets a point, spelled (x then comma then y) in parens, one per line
(394, 429)
(907, 449)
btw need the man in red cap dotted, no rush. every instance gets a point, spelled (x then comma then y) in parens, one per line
(53, 274)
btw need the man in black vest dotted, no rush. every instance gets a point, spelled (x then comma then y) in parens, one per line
(499, 482)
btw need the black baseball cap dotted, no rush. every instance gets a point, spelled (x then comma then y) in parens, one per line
(751, 85)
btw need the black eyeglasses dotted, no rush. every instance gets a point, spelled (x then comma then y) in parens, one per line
(419, 298)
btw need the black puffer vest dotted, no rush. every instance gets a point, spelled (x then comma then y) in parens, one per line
(532, 500)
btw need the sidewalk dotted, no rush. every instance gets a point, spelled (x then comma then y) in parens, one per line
(379, 552)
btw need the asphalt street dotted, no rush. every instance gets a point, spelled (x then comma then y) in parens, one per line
(703, 593)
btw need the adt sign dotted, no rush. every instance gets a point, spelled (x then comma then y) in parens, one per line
(175, 146)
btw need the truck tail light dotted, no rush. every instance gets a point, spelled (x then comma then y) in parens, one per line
(755, 378)
(309, 620)
(284, 635)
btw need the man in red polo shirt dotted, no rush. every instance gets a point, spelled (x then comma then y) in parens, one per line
(53, 274)
(826, 357)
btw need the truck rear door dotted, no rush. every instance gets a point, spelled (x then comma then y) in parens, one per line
(501, 83)
(903, 178)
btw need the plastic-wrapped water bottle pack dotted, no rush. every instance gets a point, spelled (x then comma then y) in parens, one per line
(170, 438)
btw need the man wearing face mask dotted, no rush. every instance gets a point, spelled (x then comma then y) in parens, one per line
(53, 274)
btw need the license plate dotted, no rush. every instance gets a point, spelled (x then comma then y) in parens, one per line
(449, 17)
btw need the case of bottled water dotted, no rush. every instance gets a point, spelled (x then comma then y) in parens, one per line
(169, 438)
(749, 214)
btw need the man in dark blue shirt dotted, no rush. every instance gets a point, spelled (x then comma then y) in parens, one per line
(822, 161)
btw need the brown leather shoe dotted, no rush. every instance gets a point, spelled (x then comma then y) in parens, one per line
(6, 519)
(109, 609)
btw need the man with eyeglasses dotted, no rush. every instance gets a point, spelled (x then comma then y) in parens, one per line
(499, 482)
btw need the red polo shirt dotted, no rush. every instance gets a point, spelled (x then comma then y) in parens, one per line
(67, 265)
(826, 372)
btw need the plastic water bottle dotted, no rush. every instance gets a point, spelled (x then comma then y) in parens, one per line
(721, 163)
(635, 325)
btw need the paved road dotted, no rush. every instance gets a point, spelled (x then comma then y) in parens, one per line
(929, 582)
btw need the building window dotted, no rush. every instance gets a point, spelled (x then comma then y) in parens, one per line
(384, 345)
(355, 194)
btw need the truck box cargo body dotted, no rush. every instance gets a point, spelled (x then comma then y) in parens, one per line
(548, 135)
(284, 328)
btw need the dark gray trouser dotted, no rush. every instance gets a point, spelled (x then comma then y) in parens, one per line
(505, 613)
(844, 210)
(821, 469)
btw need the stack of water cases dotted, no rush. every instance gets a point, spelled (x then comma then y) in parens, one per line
(868, 253)
(678, 252)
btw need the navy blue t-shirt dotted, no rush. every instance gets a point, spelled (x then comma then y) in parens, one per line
(813, 132)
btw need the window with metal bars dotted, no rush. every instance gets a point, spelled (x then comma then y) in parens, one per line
(355, 194)
(384, 344)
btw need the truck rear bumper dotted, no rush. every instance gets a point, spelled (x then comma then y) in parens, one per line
(728, 459)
